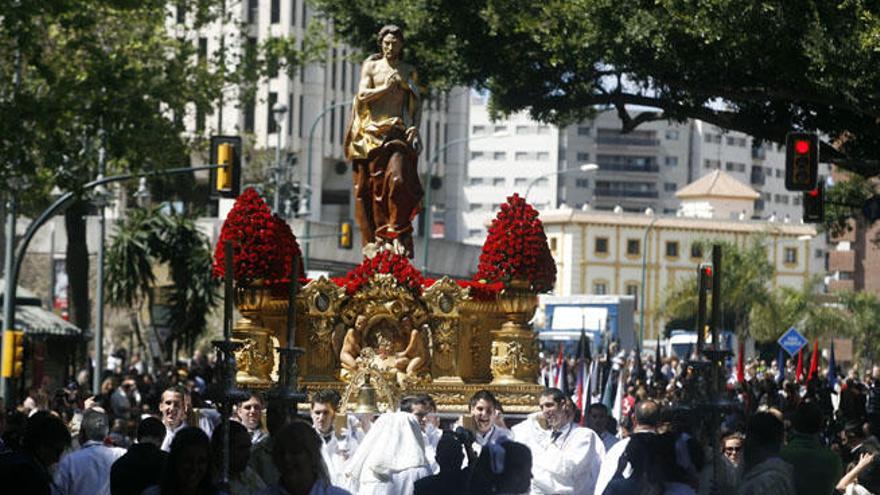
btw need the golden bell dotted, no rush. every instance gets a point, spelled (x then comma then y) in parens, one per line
(366, 403)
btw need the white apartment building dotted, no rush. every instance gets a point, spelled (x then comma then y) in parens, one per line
(319, 95)
(638, 170)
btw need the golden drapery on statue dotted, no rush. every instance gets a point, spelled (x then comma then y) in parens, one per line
(383, 144)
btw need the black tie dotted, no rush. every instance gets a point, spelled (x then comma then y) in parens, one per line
(555, 435)
(327, 437)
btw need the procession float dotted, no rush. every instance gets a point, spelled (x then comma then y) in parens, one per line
(384, 330)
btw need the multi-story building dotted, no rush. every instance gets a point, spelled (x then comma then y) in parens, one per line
(602, 252)
(854, 256)
(318, 100)
(638, 170)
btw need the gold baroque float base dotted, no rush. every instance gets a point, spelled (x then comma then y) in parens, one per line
(519, 398)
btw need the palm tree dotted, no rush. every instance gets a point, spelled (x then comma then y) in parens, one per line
(862, 322)
(149, 237)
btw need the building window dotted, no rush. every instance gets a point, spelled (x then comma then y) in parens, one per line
(711, 164)
(500, 128)
(735, 167)
(476, 155)
(520, 181)
(524, 129)
(475, 181)
(670, 187)
(601, 246)
(632, 289)
(543, 156)
(476, 206)
(275, 12)
(475, 232)
(671, 161)
(583, 157)
(478, 130)
(583, 130)
(253, 11)
(789, 255)
(633, 247)
(672, 135)
(522, 156)
(600, 288)
(581, 183)
(499, 156)
(498, 181)
(672, 249)
(696, 251)
(543, 129)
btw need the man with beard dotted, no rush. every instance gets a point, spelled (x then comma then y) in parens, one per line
(565, 457)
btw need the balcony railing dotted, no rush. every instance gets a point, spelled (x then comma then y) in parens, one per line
(620, 167)
(617, 193)
(626, 141)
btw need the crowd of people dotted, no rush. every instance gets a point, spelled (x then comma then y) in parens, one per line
(765, 431)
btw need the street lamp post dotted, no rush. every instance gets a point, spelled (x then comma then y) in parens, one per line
(426, 205)
(278, 111)
(101, 200)
(642, 288)
(306, 189)
(586, 167)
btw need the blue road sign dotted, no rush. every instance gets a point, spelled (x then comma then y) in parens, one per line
(792, 341)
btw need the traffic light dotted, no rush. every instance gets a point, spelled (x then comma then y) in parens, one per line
(345, 235)
(801, 161)
(226, 150)
(13, 354)
(705, 282)
(814, 204)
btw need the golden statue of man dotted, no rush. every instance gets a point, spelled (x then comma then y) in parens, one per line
(383, 144)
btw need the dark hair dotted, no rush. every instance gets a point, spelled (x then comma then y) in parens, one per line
(177, 389)
(598, 405)
(189, 436)
(557, 395)
(299, 436)
(483, 395)
(44, 428)
(764, 434)
(95, 425)
(150, 427)
(647, 413)
(807, 418)
(327, 396)
(407, 403)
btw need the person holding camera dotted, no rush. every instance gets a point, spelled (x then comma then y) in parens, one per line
(565, 457)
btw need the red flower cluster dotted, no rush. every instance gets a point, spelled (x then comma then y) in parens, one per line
(516, 248)
(385, 261)
(263, 244)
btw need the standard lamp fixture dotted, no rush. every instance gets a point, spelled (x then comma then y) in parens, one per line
(805, 238)
(585, 167)
(142, 196)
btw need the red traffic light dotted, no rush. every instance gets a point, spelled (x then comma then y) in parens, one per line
(802, 146)
(813, 192)
(707, 270)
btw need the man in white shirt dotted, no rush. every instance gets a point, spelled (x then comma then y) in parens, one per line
(597, 420)
(175, 407)
(337, 447)
(645, 421)
(565, 457)
(87, 470)
(485, 409)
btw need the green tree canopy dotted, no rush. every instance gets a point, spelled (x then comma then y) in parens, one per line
(762, 67)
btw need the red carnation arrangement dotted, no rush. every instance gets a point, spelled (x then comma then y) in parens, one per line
(264, 245)
(384, 261)
(516, 248)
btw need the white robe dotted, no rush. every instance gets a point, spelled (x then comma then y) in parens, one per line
(390, 459)
(339, 449)
(569, 464)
